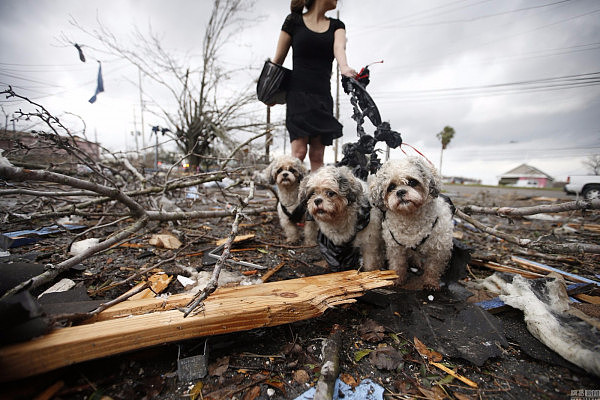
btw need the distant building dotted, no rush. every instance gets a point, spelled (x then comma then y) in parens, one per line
(30, 148)
(461, 180)
(526, 176)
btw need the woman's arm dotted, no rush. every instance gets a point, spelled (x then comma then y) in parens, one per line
(339, 51)
(283, 46)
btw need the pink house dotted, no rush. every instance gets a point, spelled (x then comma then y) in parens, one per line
(526, 176)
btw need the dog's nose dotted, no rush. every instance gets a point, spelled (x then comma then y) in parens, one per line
(401, 193)
(318, 201)
(285, 174)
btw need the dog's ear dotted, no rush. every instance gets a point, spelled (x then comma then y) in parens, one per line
(302, 171)
(304, 192)
(377, 191)
(435, 182)
(269, 172)
(349, 185)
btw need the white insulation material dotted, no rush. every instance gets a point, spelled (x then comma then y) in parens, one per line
(550, 319)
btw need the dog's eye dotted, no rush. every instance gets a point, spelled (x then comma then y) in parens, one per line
(330, 193)
(292, 170)
(279, 171)
(391, 188)
(413, 182)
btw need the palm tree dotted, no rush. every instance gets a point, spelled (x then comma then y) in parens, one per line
(445, 137)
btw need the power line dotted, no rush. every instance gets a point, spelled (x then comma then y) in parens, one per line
(472, 19)
(525, 86)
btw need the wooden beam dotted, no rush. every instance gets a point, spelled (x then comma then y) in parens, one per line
(226, 310)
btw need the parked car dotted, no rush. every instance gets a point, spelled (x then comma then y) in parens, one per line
(587, 186)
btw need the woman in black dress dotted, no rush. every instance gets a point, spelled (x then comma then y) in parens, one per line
(316, 40)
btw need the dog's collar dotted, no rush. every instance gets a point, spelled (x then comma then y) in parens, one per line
(415, 247)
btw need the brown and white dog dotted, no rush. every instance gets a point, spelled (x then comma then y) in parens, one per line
(349, 234)
(417, 223)
(287, 172)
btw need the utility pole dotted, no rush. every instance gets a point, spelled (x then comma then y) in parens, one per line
(268, 137)
(337, 103)
(155, 130)
(135, 133)
(141, 108)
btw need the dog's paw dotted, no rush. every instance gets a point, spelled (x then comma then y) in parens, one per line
(431, 284)
(401, 280)
(310, 242)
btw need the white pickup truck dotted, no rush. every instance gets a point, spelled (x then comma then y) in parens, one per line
(587, 186)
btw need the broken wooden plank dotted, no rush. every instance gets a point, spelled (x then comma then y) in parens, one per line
(158, 283)
(226, 310)
(505, 268)
(238, 239)
(546, 269)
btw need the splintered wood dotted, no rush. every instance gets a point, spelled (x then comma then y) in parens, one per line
(151, 322)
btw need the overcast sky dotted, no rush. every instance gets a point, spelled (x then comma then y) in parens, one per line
(518, 80)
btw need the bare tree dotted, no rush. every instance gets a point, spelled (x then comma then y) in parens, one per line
(107, 192)
(593, 163)
(205, 119)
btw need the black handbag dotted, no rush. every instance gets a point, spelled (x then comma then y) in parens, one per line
(273, 83)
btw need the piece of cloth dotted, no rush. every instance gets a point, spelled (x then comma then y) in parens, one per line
(309, 111)
(99, 84)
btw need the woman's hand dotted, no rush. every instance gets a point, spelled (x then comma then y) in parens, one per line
(347, 71)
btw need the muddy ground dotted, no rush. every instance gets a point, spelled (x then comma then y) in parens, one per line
(283, 362)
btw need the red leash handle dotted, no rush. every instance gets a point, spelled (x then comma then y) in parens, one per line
(364, 72)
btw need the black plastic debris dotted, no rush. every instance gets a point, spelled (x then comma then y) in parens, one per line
(22, 318)
(72, 301)
(447, 324)
(27, 236)
(12, 274)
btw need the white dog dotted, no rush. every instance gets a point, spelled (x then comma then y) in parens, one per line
(349, 230)
(287, 172)
(417, 223)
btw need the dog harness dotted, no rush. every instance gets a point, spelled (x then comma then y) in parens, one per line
(344, 256)
(297, 215)
(415, 247)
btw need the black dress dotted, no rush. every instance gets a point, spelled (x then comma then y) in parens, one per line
(309, 109)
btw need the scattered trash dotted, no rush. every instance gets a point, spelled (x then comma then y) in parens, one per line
(158, 283)
(165, 241)
(185, 281)
(79, 247)
(194, 367)
(366, 390)
(549, 317)
(61, 286)
(21, 238)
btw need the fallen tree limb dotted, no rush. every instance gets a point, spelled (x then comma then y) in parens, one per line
(212, 284)
(540, 209)
(226, 310)
(567, 248)
(330, 368)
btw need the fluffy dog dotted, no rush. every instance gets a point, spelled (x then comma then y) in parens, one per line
(417, 222)
(348, 226)
(287, 172)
